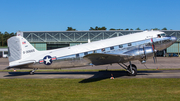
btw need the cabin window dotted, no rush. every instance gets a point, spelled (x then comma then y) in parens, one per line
(129, 44)
(103, 50)
(77, 55)
(120, 46)
(85, 53)
(94, 51)
(111, 48)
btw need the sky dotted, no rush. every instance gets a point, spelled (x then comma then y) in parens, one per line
(57, 15)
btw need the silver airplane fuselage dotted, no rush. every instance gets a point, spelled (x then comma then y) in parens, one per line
(139, 50)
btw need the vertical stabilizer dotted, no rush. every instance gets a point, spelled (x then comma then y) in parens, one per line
(19, 48)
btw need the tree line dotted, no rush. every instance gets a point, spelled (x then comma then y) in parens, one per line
(4, 36)
(104, 28)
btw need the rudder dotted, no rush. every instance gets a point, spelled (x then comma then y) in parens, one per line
(19, 48)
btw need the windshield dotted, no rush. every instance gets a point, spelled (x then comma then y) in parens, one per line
(161, 35)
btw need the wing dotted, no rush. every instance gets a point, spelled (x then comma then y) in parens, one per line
(102, 58)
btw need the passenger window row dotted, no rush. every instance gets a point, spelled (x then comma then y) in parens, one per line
(104, 49)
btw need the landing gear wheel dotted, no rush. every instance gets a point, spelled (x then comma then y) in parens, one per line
(134, 70)
(31, 73)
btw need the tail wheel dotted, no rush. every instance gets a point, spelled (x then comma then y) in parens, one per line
(134, 70)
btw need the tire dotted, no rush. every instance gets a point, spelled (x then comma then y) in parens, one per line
(31, 73)
(133, 66)
(134, 69)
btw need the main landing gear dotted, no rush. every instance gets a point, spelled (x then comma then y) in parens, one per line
(32, 72)
(131, 69)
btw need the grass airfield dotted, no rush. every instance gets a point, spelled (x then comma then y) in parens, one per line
(119, 89)
(92, 89)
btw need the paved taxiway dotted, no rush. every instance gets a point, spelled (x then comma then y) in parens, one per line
(87, 75)
(163, 62)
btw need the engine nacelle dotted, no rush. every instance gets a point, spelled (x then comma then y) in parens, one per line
(141, 53)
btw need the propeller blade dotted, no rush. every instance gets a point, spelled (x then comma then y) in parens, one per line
(154, 60)
(152, 44)
(154, 57)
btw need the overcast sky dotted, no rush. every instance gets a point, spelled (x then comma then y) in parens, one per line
(57, 15)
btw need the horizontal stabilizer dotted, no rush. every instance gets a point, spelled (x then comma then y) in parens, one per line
(22, 63)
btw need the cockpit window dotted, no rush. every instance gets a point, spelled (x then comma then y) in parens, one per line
(161, 35)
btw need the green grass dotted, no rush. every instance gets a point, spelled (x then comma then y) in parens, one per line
(3, 46)
(102, 90)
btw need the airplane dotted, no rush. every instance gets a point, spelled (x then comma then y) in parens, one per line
(122, 49)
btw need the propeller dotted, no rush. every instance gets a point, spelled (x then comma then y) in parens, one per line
(154, 51)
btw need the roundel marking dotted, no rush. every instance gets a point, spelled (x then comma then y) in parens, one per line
(47, 60)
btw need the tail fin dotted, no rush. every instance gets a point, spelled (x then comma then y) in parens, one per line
(19, 48)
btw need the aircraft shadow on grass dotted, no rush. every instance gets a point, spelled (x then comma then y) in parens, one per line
(97, 76)
(116, 74)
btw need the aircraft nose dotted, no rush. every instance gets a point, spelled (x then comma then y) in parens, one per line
(173, 39)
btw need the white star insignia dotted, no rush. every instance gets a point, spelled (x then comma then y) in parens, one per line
(47, 60)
